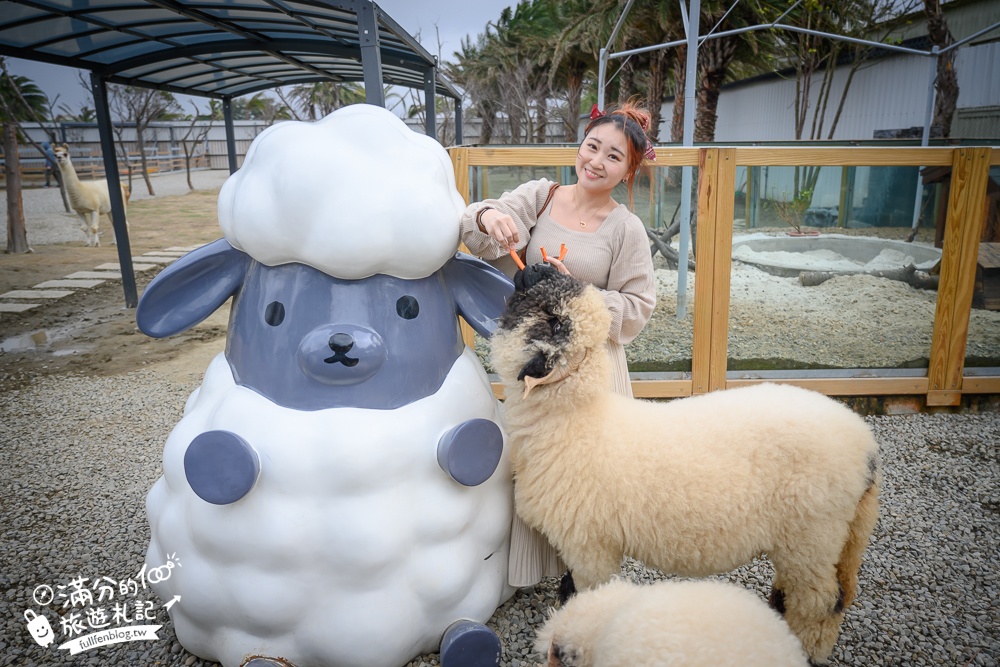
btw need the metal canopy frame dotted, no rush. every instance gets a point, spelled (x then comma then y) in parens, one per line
(221, 49)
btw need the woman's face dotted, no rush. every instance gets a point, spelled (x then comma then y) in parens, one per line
(602, 161)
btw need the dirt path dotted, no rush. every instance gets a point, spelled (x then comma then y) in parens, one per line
(91, 332)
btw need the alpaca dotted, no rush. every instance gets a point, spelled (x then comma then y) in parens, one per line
(691, 623)
(89, 199)
(694, 486)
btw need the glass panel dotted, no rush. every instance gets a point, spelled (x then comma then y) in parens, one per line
(824, 276)
(663, 349)
(982, 352)
(664, 345)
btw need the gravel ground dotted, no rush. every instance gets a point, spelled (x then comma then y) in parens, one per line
(80, 453)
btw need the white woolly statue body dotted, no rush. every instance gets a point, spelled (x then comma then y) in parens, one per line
(90, 199)
(692, 487)
(668, 624)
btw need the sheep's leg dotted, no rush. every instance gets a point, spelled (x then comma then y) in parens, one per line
(470, 644)
(591, 566)
(813, 606)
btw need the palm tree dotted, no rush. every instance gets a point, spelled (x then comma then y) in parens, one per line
(20, 99)
(319, 99)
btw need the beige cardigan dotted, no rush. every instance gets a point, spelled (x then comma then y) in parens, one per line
(615, 258)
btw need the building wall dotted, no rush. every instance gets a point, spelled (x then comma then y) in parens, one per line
(888, 94)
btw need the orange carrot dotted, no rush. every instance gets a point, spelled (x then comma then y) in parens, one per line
(517, 260)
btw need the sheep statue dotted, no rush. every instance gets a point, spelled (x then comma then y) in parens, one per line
(700, 623)
(694, 486)
(337, 492)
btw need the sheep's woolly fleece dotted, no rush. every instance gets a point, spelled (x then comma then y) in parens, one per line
(354, 194)
(684, 623)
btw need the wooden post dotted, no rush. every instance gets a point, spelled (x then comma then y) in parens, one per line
(701, 351)
(969, 174)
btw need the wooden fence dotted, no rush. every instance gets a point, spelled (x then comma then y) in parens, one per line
(945, 379)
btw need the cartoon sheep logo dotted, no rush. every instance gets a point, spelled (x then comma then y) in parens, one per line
(338, 487)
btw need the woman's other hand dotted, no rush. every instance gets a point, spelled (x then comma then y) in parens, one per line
(557, 263)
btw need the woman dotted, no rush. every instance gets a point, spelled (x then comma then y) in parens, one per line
(606, 246)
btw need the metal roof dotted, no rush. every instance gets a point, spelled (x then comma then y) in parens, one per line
(217, 48)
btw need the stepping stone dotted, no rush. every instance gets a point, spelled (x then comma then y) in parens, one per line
(90, 275)
(36, 294)
(184, 250)
(17, 307)
(77, 284)
(114, 266)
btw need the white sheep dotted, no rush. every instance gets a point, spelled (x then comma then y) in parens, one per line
(694, 486)
(89, 199)
(684, 623)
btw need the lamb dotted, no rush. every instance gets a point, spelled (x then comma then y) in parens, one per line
(693, 487)
(691, 623)
(89, 199)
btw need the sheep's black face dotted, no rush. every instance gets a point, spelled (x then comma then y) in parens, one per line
(539, 310)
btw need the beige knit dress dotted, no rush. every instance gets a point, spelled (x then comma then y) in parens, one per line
(614, 258)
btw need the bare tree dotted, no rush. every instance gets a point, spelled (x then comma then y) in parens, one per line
(140, 107)
(946, 83)
(194, 136)
(17, 237)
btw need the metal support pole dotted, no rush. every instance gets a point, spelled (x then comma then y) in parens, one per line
(371, 53)
(602, 65)
(459, 138)
(430, 107)
(686, 174)
(227, 115)
(103, 113)
(925, 137)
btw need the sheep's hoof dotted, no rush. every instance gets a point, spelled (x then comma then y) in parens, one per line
(470, 452)
(221, 467)
(258, 661)
(470, 644)
(567, 588)
(777, 600)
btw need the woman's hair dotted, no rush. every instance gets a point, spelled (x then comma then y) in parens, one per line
(633, 120)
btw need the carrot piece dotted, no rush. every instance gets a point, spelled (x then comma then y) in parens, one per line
(562, 251)
(545, 257)
(517, 260)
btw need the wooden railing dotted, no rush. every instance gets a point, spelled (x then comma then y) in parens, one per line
(945, 381)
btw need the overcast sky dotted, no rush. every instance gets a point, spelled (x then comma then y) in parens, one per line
(450, 19)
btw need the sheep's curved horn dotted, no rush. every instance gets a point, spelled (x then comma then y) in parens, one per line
(562, 370)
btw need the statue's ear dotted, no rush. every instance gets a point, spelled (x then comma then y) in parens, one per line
(480, 291)
(191, 289)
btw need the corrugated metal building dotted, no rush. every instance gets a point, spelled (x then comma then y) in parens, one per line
(890, 93)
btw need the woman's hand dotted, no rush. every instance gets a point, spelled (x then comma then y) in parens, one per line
(500, 227)
(557, 263)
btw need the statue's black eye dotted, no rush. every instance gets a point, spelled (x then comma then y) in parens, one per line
(274, 314)
(407, 307)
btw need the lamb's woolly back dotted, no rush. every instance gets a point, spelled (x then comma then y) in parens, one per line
(690, 623)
